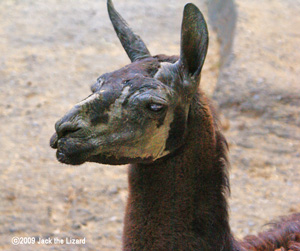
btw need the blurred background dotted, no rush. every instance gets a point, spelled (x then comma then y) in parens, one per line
(52, 51)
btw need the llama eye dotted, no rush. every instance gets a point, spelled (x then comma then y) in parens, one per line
(155, 107)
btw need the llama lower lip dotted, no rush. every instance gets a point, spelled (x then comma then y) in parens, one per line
(60, 156)
(63, 158)
(73, 159)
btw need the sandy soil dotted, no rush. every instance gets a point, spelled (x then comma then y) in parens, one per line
(52, 51)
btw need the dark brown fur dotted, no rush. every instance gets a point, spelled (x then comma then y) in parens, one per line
(284, 234)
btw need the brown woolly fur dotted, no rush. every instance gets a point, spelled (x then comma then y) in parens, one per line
(284, 234)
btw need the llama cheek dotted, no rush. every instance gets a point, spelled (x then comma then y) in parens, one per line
(157, 142)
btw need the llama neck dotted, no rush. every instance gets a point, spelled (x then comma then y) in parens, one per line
(179, 203)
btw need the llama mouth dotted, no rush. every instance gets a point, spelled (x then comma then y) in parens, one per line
(73, 151)
(69, 152)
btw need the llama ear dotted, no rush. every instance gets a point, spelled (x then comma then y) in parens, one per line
(132, 43)
(194, 41)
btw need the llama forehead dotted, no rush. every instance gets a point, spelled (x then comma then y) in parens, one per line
(165, 69)
(140, 77)
(148, 68)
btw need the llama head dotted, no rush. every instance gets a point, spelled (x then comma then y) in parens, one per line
(138, 113)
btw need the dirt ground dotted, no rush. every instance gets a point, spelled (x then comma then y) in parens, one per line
(52, 51)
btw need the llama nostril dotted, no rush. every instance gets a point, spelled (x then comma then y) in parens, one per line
(66, 128)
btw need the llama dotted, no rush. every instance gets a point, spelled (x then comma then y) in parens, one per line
(151, 114)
